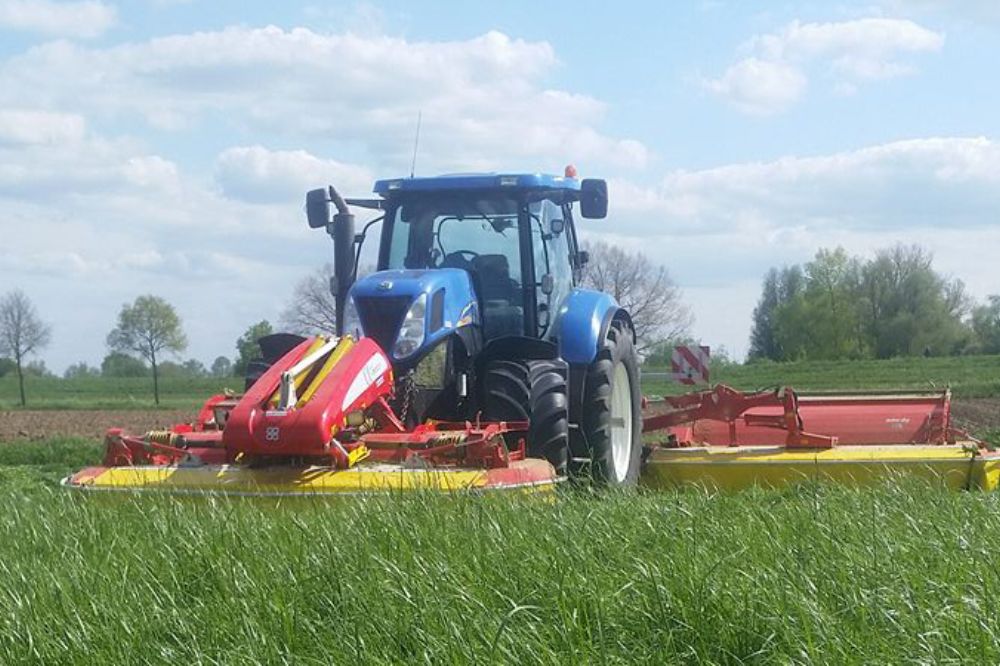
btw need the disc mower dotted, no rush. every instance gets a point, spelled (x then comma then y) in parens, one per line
(472, 359)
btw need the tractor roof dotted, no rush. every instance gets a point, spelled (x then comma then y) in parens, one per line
(477, 181)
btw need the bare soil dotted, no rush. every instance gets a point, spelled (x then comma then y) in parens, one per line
(90, 423)
(976, 414)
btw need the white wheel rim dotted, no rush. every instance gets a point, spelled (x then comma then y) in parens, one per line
(621, 422)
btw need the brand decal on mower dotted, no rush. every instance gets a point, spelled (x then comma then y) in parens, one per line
(370, 374)
(272, 434)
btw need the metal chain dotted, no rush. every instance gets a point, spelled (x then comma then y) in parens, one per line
(406, 382)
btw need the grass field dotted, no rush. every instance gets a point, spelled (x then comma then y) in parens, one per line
(810, 575)
(969, 376)
(113, 393)
(901, 573)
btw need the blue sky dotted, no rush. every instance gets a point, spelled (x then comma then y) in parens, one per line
(164, 146)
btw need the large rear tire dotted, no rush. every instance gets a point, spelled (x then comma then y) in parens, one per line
(612, 403)
(533, 391)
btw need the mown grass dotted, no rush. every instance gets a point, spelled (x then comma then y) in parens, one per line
(968, 376)
(898, 574)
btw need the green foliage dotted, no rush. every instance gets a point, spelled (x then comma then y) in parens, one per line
(148, 327)
(986, 326)
(37, 368)
(190, 368)
(247, 348)
(81, 369)
(7, 366)
(222, 367)
(117, 364)
(813, 574)
(842, 307)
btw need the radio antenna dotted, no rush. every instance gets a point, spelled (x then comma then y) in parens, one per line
(416, 143)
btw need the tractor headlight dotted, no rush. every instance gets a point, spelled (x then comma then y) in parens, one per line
(411, 332)
(352, 322)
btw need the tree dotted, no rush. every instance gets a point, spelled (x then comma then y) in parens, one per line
(762, 341)
(22, 333)
(222, 367)
(313, 308)
(645, 290)
(246, 346)
(195, 368)
(117, 364)
(148, 327)
(81, 369)
(986, 326)
(839, 306)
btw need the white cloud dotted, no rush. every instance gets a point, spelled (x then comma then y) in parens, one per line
(258, 175)
(904, 184)
(760, 86)
(86, 19)
(719, 229)
(482, 99)
(776, 73)
(28, 126)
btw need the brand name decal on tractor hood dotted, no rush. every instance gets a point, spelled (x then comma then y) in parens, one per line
(370, 374)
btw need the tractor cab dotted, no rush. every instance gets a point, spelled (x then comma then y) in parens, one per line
(516, 243)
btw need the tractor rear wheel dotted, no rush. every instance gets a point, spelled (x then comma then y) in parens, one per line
(533, 391)
(612, 403)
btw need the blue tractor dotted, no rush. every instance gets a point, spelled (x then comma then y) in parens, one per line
(477, 304)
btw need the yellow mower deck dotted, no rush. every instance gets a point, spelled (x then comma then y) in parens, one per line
(525, 476)
(958, 466)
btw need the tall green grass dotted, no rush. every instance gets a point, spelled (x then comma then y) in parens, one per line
(899, 574)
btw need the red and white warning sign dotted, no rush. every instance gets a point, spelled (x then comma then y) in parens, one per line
(689, 364)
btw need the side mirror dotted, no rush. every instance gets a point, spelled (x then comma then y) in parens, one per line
(317, 208)
(556, 226)
(594, 198)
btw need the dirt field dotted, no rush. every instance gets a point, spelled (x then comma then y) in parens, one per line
(973, 414)
(89, 423)
(976, 414)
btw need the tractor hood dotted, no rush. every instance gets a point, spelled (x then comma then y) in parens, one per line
(408, 312)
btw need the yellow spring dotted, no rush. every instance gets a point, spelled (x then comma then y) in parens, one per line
(165, 437)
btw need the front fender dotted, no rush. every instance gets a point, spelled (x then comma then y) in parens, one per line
(582, 323)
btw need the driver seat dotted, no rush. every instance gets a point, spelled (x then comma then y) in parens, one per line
(500, 295)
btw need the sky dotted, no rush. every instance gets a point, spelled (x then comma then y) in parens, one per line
(165, 146)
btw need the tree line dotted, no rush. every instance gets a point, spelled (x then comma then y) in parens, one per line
(839, 306)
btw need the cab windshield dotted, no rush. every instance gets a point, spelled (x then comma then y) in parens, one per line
(484, 235)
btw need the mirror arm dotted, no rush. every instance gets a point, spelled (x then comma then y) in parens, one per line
(359, 239)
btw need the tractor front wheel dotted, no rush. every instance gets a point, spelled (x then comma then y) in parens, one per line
(533, 391)
(612, 403)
